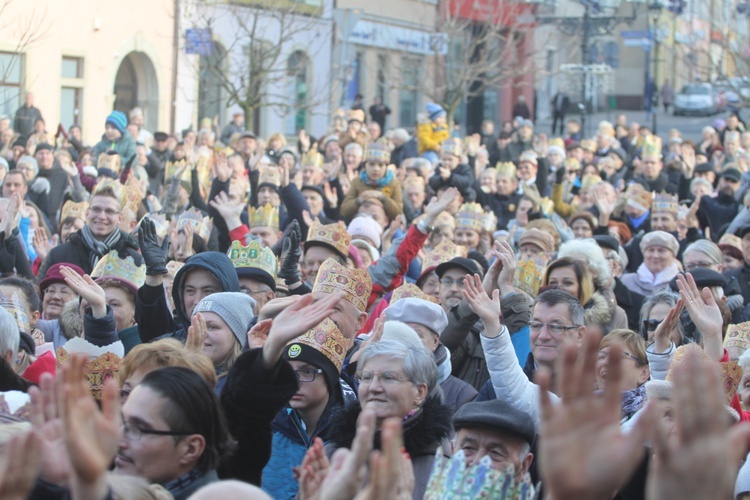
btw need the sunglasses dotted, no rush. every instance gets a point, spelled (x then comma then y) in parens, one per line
(651, 324)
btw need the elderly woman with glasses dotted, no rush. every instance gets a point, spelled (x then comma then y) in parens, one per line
(635, 369)
(399, 380)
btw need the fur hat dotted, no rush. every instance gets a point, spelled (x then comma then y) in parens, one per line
(660, 239)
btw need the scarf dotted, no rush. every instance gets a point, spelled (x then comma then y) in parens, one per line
(380, 183)
(638, 221)
(633, 400)
(655, 280)
(98, 249)
(184, 480)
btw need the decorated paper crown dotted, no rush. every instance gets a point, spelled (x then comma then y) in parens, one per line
(313, 158)
(104, 362)
(132, 193)
(506, 168)
(452, 146)
(253, 255)
(355, 283)
(470, 216)
(489, 222)
(557, 141)
(443, 252)
(172, 167)
(572, 164)
(160, 223)
(651, 146)
(638, 197)
(203, 166)
(202, 226)
(452, 479)
(72, 209)
(410, 290)
(606, 128)
(588, 145)
(110, 161)
(355, 114)
(326, 338)
(590, 180)
(16, 306)
(377, 151)
(528, 277)
(114, 266)
(665, 202)
(269, 176)
(117, 188)
(731, 373)
(332, 235)
(265, 216)
(738, 336)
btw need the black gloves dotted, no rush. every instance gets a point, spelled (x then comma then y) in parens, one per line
(290, 254)
(560, 174)
(292, 226)
(154, 255)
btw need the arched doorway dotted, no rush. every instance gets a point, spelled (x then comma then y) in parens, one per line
(211, 95)
(136, 85)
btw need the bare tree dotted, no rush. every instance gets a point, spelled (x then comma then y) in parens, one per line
(261, 76)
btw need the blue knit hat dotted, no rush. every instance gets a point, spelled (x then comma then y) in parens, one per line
(435, 110)
(118, 120)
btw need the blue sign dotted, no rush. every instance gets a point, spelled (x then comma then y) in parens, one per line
(199, 41)
(636, 34)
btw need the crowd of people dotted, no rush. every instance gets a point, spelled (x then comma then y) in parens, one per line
(374, 313)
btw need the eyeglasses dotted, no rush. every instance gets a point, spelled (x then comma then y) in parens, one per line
(460, 283)
(536, 326)
(651, 324)
(696, 265)
(307, 374)
(603, 355)
(247, 291)
(386, 378)
(107, 211)
(134, 433)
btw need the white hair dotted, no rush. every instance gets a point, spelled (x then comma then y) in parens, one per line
(354, 146)
(590, 251)
(9, 336)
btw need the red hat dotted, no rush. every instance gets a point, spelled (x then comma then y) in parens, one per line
(45, 363)
(55, 276)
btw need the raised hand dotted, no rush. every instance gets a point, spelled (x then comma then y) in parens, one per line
(87, 289)
(330, 194)
(438, 204)
(67, 166)
(154, 254)
(701, 457)
(258, 334)
(488, 309)
(375, 335)
(507, 258)
(386, 476)
(308, 219)
(19, 465)
(41, 244)
(705, 313)
(45, 418)
(663, 333)
(223, 170)
(196, 333)
(290, 255)
(187, 247)
(313, 471)
(10, 217)
(304, 141)
(229, 210)
(572, 460)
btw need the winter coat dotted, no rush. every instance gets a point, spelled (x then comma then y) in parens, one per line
(25, 118)
(429, 136)
(461, 178)
(424, 432)
(630, 302)
(13, 259)
(716, 213)
(252, 397)
(99, 331)
(456, 392)
(75, 252)
(124, 146)
(393, 201)
(58, 181)
(503, 206)
(152, 309)
(410, 149)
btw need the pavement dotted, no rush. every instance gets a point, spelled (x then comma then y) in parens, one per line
(690, 126)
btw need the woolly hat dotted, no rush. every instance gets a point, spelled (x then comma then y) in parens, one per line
(660, 239)
(435, 110)
(118, 120)
(30, 161)
(538, 238)
(556, 149)
(419, 311)
(401, 332)
(365, 227)
(236, 309)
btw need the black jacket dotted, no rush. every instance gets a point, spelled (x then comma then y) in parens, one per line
(75, 252)
(503, 206)
(461, 178)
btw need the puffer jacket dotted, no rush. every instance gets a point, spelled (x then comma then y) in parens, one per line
(124, 146)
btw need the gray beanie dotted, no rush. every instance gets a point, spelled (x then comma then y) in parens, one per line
(31, 161)
(236, 309)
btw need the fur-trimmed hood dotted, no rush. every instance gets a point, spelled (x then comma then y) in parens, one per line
(423, 432)
(71, 322)
(598, 310)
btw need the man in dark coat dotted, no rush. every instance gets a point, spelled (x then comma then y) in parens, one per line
(26, 116)
(742, 274)
(716, 213)
(560, 105)
(379, 112)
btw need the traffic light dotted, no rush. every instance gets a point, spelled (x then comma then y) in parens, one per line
(676, 6)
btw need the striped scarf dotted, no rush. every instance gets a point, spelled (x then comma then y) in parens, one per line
(98, 249)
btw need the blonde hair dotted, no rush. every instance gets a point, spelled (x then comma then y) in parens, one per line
(166, 352)
(630, 339)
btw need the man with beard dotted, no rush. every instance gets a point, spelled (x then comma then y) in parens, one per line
(716, 213)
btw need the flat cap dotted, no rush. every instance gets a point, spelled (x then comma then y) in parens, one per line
(660, 239)
(703, 277)
(495, 415)
(704, 167)
(419, 311)
(467, 265)
(607, 241)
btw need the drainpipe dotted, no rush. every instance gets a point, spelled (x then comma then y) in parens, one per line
(175, 57)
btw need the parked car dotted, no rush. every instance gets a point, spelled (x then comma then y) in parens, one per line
(699, 99)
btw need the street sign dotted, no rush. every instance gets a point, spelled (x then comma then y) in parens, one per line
(199, 41)
(635, 34)
(637, 42)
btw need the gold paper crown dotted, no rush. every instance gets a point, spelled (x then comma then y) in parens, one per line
(253, 255)
(377, 151)
(665, 202)
(606, 128)
(16, 306)
(588, 145)
(572, 164)
(489, 222)
(72, 209)
(333, 235)
(313, 158)
(652, 146)
(738, 336)
(355, 114)
(731, 373)
(265, 216)
(172, 167)
(132, 193)
(470, 216)
(528, 277)
(114, 266)
(117, 188)
(98, 369)
(638, 197)
(443, 252)
(202, 226)
(590, 180)
(506, 168)
(326, 338)
(269, 175)
(557, 141)
(110, 161)
(410, 290)
(355, 283)
(452, 146)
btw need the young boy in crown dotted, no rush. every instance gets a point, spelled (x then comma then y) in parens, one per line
(377, 182)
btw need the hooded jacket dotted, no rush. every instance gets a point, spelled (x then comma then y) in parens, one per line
(152, 310)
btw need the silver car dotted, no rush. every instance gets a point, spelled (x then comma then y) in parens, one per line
(696, 99)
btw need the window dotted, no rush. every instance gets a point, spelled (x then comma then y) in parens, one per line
(211, 95)
(297, 92)
(409, 94)
(71, 93)
(11, 66)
